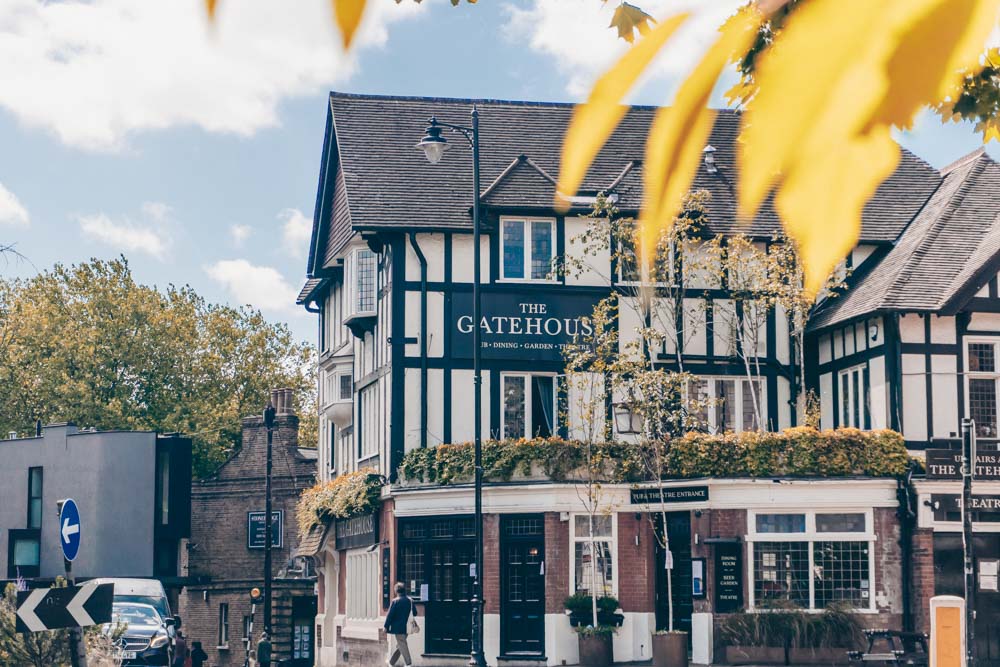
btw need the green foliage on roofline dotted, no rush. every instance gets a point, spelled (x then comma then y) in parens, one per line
(343, 497)
(794, 452)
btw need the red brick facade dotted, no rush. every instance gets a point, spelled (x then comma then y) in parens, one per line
(557, 574)
(636, 563)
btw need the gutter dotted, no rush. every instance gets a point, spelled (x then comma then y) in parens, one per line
(423, 338)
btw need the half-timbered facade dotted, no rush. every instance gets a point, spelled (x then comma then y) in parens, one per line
(390, 276)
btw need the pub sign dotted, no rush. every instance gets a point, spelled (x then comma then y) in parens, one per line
(528, 325)
(257, 528)
(358, 531)
(676, 494)
(947, 464)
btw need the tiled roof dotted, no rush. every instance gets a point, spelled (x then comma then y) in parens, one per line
(307, 290)
(390, 184)
(312, 542)
(943, 252)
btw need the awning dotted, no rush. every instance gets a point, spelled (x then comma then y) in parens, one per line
(312, 543)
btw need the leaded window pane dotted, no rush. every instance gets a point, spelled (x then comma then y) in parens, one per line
(366, 281)
(840, 523)
(541, 250)
(513, 249)
(982, 358)
(983, 406)
(841, 573)
(781, 573)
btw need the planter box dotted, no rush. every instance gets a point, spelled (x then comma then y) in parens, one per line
(595, 651)
(818, 656)
(670, 650)
(773, 655)
(755, 655)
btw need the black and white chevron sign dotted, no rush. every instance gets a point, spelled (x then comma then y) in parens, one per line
(71, 607)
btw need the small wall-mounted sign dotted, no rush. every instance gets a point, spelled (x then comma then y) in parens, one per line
(674, 494)
(728, 577)
(257, 528)
(698, 578)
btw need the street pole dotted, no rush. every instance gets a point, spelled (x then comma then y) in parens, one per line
(968, 540)
(269, 423)
(477, 658)
(77, 649)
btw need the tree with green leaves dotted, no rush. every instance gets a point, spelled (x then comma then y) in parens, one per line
(88, 344)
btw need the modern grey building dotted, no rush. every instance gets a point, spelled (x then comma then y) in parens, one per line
(133, 489)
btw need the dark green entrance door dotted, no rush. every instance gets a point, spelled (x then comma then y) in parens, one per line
(522, 585)
(679, 534)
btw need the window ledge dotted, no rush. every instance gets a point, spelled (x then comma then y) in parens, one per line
(530, 281)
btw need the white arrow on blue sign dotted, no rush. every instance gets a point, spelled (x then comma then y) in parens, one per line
(69, 529)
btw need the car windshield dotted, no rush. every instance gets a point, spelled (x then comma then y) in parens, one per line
(134, 614)
(157, 603)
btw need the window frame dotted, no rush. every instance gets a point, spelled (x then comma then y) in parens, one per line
(529, 399)
(39, 497)
(970, 375)
(623, 281)
(15, 535)
(575, 539)
(352, 275)
(863, 408)
(811, 536)
(223, 618)
(713, 407)
(529, 223)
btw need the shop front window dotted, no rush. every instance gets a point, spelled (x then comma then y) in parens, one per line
(593, 555)
(811, 560)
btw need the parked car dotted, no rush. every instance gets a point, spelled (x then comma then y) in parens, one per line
(142, 606)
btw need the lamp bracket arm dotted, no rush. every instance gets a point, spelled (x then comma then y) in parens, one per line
(466, 132)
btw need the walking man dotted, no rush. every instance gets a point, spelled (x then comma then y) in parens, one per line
(264, 650)
(396, 625)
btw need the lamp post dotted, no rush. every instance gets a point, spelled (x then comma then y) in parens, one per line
(434, 145)
(968, 538)
(269, 424)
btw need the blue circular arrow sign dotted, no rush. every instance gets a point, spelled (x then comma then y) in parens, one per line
(69, 529)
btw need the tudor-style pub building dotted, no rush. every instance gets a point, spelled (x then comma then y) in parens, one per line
(390, 275)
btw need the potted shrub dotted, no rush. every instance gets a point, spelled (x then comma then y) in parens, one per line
(595, 645)
(581, 611)
(670, 648)
(790, 636)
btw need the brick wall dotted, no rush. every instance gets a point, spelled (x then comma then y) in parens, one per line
(888, 574)
(923, 577)
(558, 583)
(491, 563)
(636, 573)
(219, 565)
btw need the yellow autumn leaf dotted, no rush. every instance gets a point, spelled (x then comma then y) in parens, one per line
(629, 18)
(938, 40)
(348, 14)
(679, 132)
(210, 8)
(820, 202)
(594, 121)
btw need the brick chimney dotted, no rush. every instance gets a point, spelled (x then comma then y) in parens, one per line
(286, 424)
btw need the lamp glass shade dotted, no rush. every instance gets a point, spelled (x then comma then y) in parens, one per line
(433, 148)
(627, 421)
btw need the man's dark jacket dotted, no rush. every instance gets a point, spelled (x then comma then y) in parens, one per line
(399, 615)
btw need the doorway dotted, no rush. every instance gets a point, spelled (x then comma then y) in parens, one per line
(949, 579)
(303, 620)
(679, 538)
(522, 585)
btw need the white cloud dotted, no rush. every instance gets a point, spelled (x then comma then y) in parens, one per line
(240, 233)
(262, 287)
(12, 211)
(150, 234)
(296, 232)
(94, 72)
(576, 36)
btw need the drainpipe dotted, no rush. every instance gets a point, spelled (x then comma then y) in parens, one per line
(895, 357)
(907, 518)
(423, 338)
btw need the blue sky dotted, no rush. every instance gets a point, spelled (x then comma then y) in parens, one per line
(136, 128)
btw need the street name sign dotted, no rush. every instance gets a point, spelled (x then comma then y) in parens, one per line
(44, 609)
(69, 529)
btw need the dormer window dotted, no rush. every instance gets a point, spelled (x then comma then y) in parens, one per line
(528, 246)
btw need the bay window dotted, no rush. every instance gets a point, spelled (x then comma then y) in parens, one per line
(855, 398)
(529, 405)
(360, 277)
(527, 247)
(981, 385)
(812, 559)
(593, 567)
